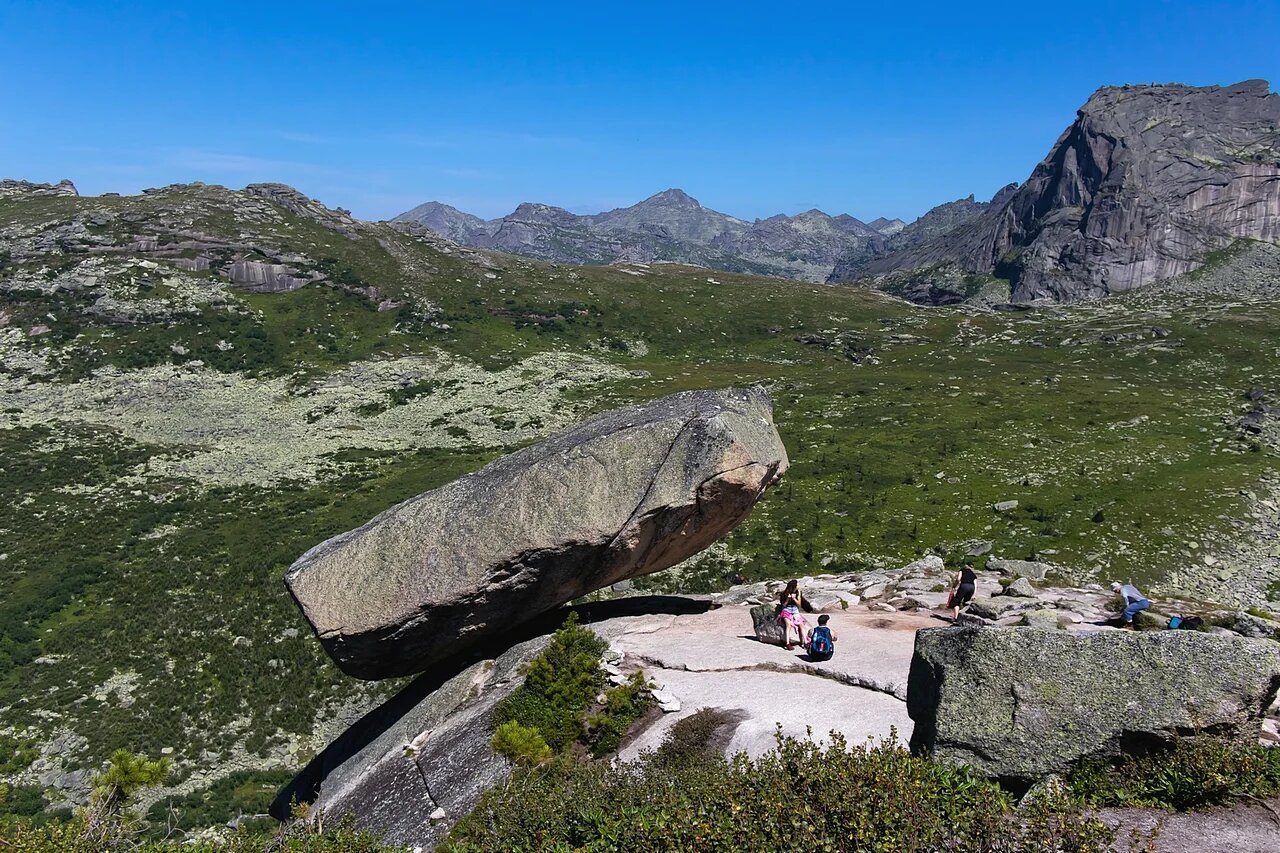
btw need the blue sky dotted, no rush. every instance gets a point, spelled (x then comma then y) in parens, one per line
(880, 109)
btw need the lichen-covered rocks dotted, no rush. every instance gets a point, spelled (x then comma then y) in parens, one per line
(1020, 703)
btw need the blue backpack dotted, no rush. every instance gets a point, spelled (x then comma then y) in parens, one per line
(820, 643)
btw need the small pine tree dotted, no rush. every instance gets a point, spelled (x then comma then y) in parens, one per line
(127, 774)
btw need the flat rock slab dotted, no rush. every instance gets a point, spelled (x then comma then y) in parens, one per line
(874, 650)
(627, 493)
(1244, 828)
(764, 700)
(1021, 703)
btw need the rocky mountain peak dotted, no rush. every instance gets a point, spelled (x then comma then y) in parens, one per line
(529, 211)
(1145, 183)
(671, 198)
(670, 225)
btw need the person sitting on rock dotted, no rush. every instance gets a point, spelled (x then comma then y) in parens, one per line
(789, 603)
(822, 640)
(963, 588)
(1133, 600)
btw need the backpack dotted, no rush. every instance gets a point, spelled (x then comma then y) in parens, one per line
(820, 644)
(1191, 623)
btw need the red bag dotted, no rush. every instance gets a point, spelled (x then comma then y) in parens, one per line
(951, 597)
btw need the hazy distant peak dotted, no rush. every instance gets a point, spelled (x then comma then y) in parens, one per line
(673, 197)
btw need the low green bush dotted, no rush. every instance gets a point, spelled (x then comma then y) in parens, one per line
(1192, 774)
(521, 744)
(623, 705)
(800, 796)
(557, 702)
(559, 686)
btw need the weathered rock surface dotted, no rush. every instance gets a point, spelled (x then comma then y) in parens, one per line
(996, 607)
(766, 624)
(1142, 186)
(627, 493)
(1019, 703)
(1020, 568)
(427, 749)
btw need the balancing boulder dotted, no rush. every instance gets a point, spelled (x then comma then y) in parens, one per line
(627, 493)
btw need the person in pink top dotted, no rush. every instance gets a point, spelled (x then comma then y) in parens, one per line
(789, 604)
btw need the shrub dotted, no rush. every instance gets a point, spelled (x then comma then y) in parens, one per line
(522, 745)
(694, 739)
(623, 705)
(1191, 774)
(799, 796)
(559, 686)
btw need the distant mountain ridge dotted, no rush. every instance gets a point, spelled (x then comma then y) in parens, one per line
(668, 226)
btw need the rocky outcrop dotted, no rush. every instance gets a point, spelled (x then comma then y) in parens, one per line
(295, 202)
(265, 278)
(668, 226)
(1142, 186)
(425, 749)
(26, 189)
(1019, 703)
(1036, 571)
(627, 493)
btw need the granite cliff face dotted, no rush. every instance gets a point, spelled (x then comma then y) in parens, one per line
(1144, 184)
(902, 237)
(669, 226)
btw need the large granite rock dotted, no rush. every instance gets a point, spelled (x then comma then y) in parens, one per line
(1019, 703)
(1143, 185)
(627, 493)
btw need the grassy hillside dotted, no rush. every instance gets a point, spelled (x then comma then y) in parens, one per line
(172, 442)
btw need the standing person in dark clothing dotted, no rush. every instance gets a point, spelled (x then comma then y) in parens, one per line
(965, 584)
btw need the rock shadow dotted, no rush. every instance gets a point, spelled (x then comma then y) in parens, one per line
(305, 787)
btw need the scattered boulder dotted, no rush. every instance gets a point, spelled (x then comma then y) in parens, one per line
(1005, 506)
(1248, 625)
(1021, 568)
(875, 590)
(627, 493)
(828, 601)
(1042, 618)
(756, 593)
(929, 564)
(995, 608)
(765, 622)
(1020, 703)
(1021, 588)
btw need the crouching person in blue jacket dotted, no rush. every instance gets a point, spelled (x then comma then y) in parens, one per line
(1133, 600)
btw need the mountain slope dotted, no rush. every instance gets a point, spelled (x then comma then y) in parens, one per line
(1146, 183)
(669, 226)
(932, 225)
